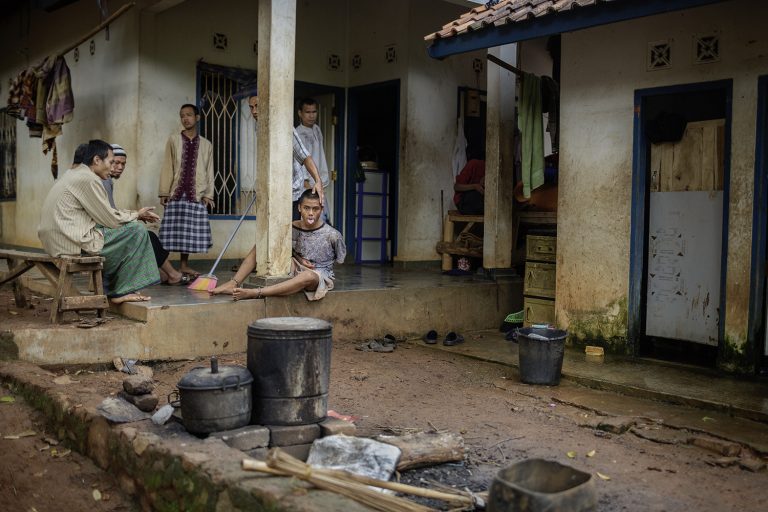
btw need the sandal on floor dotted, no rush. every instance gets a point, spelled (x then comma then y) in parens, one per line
(374, 346)
(185, 279)
(430, 338)
(452, 339)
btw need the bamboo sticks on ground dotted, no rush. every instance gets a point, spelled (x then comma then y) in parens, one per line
(354, 486)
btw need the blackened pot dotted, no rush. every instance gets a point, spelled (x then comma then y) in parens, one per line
(215, 398)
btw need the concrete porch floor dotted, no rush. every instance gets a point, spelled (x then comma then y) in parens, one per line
(638, 377)
(368, 301)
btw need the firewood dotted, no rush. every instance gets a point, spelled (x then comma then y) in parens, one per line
(426, 448)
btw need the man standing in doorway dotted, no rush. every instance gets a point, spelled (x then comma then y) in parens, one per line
(303, 158)
(187, 190)
(312, 138)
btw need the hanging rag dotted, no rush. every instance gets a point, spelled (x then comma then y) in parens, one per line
(459, 153)
(531, 127)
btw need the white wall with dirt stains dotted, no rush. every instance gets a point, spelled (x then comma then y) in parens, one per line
(601, 69)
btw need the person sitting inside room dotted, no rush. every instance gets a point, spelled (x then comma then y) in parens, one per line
(77, 219)
(316, 246)
(470, 186)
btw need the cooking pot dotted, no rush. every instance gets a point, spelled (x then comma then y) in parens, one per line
(215, 398)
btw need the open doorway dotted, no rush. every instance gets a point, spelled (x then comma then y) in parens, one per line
(679, 221)
(330, 120)
(758, 314)
(372, 179)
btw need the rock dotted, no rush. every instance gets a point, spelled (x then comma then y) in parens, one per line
(118, 410)
(335, 426)
(358, 455)
(138, 385)
(162, 415)
(299, 451)
(245, 438)
(752, 464)
(725, 448)
(146, 403)
(190, 460)
(660, 435)
(293, 435)
(143, 441)
(616, 424)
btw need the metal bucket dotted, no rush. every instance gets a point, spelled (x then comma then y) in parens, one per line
(538, 485)
(290, 360)
(541, 355)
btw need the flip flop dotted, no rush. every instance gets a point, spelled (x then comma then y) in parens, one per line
(452, 339)
(430, 338)
(185, 279)
(374, 346)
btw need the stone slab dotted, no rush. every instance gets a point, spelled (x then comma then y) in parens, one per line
(334, 426)
(293, 435)
(245, 438)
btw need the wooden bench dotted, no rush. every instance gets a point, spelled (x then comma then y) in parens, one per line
(463, 243)
(60, 286)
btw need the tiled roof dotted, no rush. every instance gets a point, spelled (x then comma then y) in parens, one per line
(508, 11)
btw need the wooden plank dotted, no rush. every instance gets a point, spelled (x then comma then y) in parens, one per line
(84, 302)
(85, 267)
(24, 255)
(426, 448)
(49, 271)
(528, 217)
(457, 217)
(448, 248)
(82, 259)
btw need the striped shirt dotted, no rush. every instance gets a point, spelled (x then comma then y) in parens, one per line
(300, 154)
(76, 204)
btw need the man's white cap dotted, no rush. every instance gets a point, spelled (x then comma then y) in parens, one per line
(118, 150)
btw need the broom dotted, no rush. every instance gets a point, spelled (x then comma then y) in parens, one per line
(207, 282)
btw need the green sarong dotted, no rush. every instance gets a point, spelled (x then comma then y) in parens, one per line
(129, 263)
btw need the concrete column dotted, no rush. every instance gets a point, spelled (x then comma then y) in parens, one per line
(499, 162)
(276, 46)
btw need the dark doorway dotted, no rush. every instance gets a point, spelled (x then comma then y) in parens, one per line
(372, 177)
(758, 317)
(679, 222)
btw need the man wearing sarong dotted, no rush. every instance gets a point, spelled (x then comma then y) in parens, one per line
(77, 219)
(187, 190)
(168, 274)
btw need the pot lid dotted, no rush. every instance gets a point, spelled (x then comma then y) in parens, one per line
(290, 323)
(215, 377)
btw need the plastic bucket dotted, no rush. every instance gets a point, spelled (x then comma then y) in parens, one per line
(541, 355)
(538, 485)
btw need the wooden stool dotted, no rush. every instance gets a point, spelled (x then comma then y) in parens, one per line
(452, 243)
(60, 286)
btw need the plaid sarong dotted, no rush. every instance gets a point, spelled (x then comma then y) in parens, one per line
(129, 262)
(185, 227)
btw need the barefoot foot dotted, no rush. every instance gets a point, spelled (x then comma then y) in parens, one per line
(131, 297)
(246, 293)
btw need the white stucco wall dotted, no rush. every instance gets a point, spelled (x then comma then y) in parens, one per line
(105, 93)
(131, 89)
(597, 93)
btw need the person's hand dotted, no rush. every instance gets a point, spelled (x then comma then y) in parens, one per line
(306, 262)
(208, 202)
(480, 188)
(147, 215)
(163, 200)
(318, 189)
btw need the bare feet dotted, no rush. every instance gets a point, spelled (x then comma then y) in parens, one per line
(176, 278)
(131, 297)
(189, 270)
(246, 293)
(225, 289)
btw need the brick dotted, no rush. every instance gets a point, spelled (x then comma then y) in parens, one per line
(616, 424)
(334, 426)
(725, 448)
(138, 385)
(293, 435)
(299, 451)
(146, 403)
(245, 438)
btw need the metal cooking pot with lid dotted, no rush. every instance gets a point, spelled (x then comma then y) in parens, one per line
(215, 398)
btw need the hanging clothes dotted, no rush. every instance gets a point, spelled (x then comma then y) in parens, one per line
(459, 153)
(531, 126)
(550, 104)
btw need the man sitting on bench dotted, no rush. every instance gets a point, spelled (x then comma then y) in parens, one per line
(77, 219)
(470, 186)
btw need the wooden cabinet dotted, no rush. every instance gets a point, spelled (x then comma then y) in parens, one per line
(539, 285)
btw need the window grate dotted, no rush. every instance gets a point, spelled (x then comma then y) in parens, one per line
(221, 121)
(707, 49)
(659, 55)
(7, 157)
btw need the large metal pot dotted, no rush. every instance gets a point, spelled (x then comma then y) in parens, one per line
(215, 398)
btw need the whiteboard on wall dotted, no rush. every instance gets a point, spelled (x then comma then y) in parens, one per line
(684, 259)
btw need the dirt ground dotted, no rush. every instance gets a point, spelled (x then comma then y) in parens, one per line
(415, 387)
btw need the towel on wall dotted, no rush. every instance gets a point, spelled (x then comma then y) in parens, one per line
(532, 130)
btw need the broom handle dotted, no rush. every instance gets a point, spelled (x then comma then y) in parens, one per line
(232, 236)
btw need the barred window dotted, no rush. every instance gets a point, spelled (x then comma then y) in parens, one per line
(226, 121)
(7, 157)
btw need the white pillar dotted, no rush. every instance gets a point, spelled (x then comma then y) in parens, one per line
(276, 58)
(499, 161)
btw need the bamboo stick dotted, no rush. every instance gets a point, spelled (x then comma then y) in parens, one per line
(101, 26)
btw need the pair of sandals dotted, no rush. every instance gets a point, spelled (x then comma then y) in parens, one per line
(386, 344)
(451, 339)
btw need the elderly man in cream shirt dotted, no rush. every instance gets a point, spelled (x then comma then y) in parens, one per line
(77, 219)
